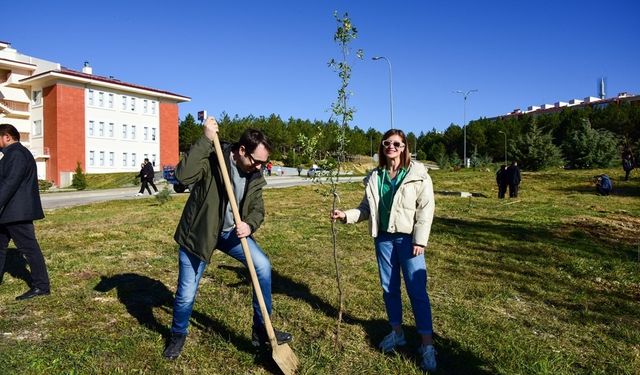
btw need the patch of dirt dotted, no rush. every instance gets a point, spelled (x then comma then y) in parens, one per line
(614, 227)
(83, 275)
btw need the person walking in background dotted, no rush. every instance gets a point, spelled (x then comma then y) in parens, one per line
(19, 206)
(513, 179)
(501, 180)
(143, 182)
(150, 173)
(628, 163)
(207, 224)
(399, 204)
(146, 177)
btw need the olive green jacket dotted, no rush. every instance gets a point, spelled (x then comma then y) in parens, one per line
(202, 217)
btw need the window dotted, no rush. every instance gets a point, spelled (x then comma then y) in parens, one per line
(92, 157)
(90, 97)
(124, 159)
(101, 158)
(112, 156)
(133, 132)
(101, 129)
(153, 159)
(111, 129)
(100, 98)
(36, 97)
(124, 131)
(153, 134)
(111, 101)
(153, 107)
(133, 159)
(124, 103)
(133, 104)
(37, 127)
(146, 133)
(91, 127)
(145, 106)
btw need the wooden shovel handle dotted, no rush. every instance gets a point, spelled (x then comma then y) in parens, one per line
(245, 245)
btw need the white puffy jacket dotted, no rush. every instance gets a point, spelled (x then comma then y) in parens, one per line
(412, 209)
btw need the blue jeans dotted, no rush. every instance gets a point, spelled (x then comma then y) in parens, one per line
(191, 269)
(394, 252)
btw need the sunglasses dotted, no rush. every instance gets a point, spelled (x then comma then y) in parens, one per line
(256, 162)
(395, 144)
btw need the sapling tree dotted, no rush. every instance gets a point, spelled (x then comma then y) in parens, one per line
(341, 113)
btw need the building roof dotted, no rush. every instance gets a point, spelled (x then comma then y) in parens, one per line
(74, 75)
(577, 103)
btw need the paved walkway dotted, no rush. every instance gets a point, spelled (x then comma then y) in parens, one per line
(52, 200)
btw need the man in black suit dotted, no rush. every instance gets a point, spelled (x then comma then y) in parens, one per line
(501, 180)
(19, 207)
(513, 179)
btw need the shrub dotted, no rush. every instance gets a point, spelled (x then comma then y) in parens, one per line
(44, 185)
(79, 178)
(163, 196)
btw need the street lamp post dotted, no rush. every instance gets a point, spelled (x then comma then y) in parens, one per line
(505, 146)
(464, 121)
(390, 84)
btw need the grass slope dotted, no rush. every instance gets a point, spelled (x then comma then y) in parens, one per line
(545, 284)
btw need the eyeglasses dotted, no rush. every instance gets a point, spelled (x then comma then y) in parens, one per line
(256, 162)
(395, 144)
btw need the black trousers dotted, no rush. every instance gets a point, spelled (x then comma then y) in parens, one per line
(145, 185)
(501, 190)
(513, 191)
(24, 237)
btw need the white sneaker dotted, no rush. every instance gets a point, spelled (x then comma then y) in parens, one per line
(392, 340)
(137, 194)
(156, 193)
(428, 354)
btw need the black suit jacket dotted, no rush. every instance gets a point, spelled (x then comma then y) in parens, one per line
(19, 195)
(148, 172)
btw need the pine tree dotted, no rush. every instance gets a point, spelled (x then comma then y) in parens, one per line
(535, 150)
(79, 180)
(586, 147)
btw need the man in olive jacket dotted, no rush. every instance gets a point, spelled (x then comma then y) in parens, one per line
(19, 207)
(207, 224)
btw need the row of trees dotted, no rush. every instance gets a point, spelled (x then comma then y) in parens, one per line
(583, 137)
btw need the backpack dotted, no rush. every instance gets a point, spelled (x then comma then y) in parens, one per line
(626, 164)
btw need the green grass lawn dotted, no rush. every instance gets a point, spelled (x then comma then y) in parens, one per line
(548, 283)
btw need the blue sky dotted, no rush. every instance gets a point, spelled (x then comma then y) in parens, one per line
(263, 57)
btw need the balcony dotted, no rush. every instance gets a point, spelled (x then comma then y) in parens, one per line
(14, 109)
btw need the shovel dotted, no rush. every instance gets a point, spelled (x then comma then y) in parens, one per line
(282, 354)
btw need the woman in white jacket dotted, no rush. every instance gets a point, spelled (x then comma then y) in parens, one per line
(399, 204)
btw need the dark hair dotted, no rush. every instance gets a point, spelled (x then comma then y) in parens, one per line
(405, 154)
(251, 138)
(10, 130)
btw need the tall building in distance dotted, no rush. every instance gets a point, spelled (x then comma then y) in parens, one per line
(66, 116)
